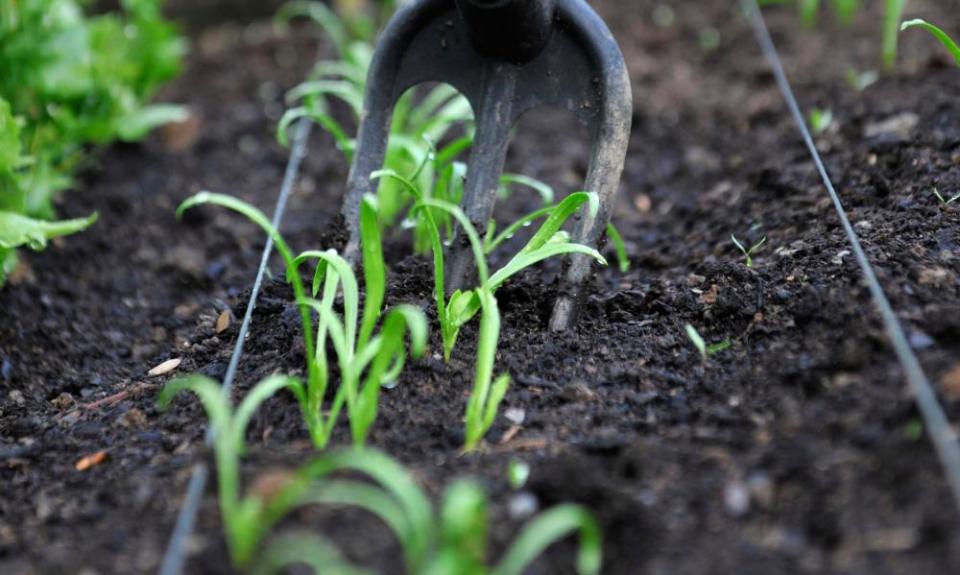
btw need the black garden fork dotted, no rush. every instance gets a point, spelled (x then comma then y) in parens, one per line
(506, 57)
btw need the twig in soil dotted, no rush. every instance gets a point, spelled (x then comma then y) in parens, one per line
(116, 398)
(942, 435)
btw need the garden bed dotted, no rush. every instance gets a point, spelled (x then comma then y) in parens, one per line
(798, 449)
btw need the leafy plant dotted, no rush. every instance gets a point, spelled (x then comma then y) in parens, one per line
(937, 33)
(549, 241)
(517, 473)
(820, 120)
(243, 516)
(452, 540)
(68, 81)
(706, 350)
(748, 252)
(943, 199)
(366, 361)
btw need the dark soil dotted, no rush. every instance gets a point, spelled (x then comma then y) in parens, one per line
(796, 450)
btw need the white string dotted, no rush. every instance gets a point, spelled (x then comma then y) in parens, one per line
(175, 556)
(938, 428)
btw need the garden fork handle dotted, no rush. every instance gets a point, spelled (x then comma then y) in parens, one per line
(514, 31)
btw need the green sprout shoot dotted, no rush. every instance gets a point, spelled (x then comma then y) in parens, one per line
(452, 539)
(860, 81)
(748, 252)
(943, 199)
(517, 473)
(846, 10)
(937, 33)
(619, 248)
(820, 120)
(242, 515)
(706, 350)
(366, 362)
(549, 241)
(893, 15)
(312, 551)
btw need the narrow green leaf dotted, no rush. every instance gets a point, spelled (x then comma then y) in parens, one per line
(548, 528)
(937, 33)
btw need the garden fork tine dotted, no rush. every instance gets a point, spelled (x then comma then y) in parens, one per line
(506, 57)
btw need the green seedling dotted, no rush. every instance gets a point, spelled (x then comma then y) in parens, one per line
(243, 516)
(517, 473)
(549, 241)
(937, 33)
(366, 362)
(846, 10)
(309, 550)
(748, 253)
(820, 120)
(706, 350)
(943, 199)
(893, 15)
(860, 81)
(452, 540)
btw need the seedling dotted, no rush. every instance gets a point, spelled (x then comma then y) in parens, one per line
(860, 81)
(362, 357)
(243, 516)
(706, 350)
(943, 199)
(893, 15)
(450, 540)
(748, 253)
(937, 33)
(517, 473)
(310, 550)
(846, 10)
(548, 242)
(820, 120)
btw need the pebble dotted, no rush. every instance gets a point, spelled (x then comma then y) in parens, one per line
(920, 340)
(515, 415)
(523, 505)
(736, 498)
(16, 396)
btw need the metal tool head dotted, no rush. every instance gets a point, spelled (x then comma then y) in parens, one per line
(506, 57)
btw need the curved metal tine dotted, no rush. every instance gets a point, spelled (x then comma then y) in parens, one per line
(385, 84)
(495, 120)
(610, 134)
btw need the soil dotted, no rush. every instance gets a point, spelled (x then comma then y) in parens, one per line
(796, 450)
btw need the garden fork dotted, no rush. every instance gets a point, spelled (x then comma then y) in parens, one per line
(505, 57)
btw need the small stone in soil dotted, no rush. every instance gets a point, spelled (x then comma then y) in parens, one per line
(515, 415)
(736, 497)
(523, 505)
